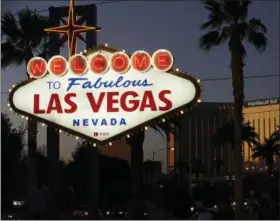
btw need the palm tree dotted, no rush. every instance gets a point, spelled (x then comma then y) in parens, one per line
(136, 145)
(24, 38)
(267, 150)
(226, 134)
(228, 22)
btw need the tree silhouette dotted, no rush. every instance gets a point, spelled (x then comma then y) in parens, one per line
(267, 151)
(228, 22)
(24, 38)
(12, 144)
(226, 133)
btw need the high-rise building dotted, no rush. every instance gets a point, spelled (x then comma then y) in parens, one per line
(195, 137)
(200, 124)
(264, 117)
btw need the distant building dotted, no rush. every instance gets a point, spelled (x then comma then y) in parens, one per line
(264, 116)
(200, 124)
(195, 137)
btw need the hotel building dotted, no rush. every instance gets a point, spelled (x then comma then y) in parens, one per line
(198, 127)
(195, 137)
(264, 117)
(200, 124)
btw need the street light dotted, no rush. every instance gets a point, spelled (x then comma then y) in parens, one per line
(166, 148)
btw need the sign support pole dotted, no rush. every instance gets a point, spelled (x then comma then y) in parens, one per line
(136, 146)
(89, 13)
(91, 41)
(53, 138)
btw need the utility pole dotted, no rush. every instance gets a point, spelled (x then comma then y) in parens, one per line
(88, 14)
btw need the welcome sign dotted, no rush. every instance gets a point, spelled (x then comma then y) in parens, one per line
(104, 93)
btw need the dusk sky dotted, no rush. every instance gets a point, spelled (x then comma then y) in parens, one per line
(174, 25)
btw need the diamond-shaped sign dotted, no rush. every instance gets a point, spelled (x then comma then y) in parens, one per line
(103, 106)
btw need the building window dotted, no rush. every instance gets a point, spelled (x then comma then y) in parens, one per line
(269, 124)
(264, 130)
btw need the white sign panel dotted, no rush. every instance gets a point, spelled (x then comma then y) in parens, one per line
(106, 104)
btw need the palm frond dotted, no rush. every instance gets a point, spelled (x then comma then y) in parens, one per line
(258, 40)
(32, 26)
(243, 9)
(9, 27)
(231, 8)
(216, 15)
(225, 135)
(209, 40)
(267, 150)
(257, 25)
(11, 55)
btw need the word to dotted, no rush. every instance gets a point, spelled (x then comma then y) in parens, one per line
(99, 63)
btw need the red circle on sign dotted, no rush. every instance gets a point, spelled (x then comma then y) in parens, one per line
(120, 62)
(57, 65)
(37, 67)
(162, 60)
(78, 64)
(141, 61)
(99, 64)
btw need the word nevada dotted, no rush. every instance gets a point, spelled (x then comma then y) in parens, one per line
(120, 62)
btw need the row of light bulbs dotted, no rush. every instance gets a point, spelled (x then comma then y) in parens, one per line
(128, 135)
(163, 120)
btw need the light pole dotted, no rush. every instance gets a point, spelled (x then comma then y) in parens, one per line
(156, 151)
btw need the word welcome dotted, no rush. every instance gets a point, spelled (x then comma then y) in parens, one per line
(120, 62)
(104, 102)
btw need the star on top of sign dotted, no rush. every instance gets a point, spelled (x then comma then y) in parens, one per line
(72, 29)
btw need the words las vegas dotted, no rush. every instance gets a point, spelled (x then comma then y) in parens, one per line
(114, 101)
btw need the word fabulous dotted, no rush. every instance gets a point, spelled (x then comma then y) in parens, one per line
(120, 62)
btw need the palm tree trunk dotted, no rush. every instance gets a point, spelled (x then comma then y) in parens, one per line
(269, 164)
(93, 182)
(32, 131)
(32, 148)
(136, 144)
(238, 94)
